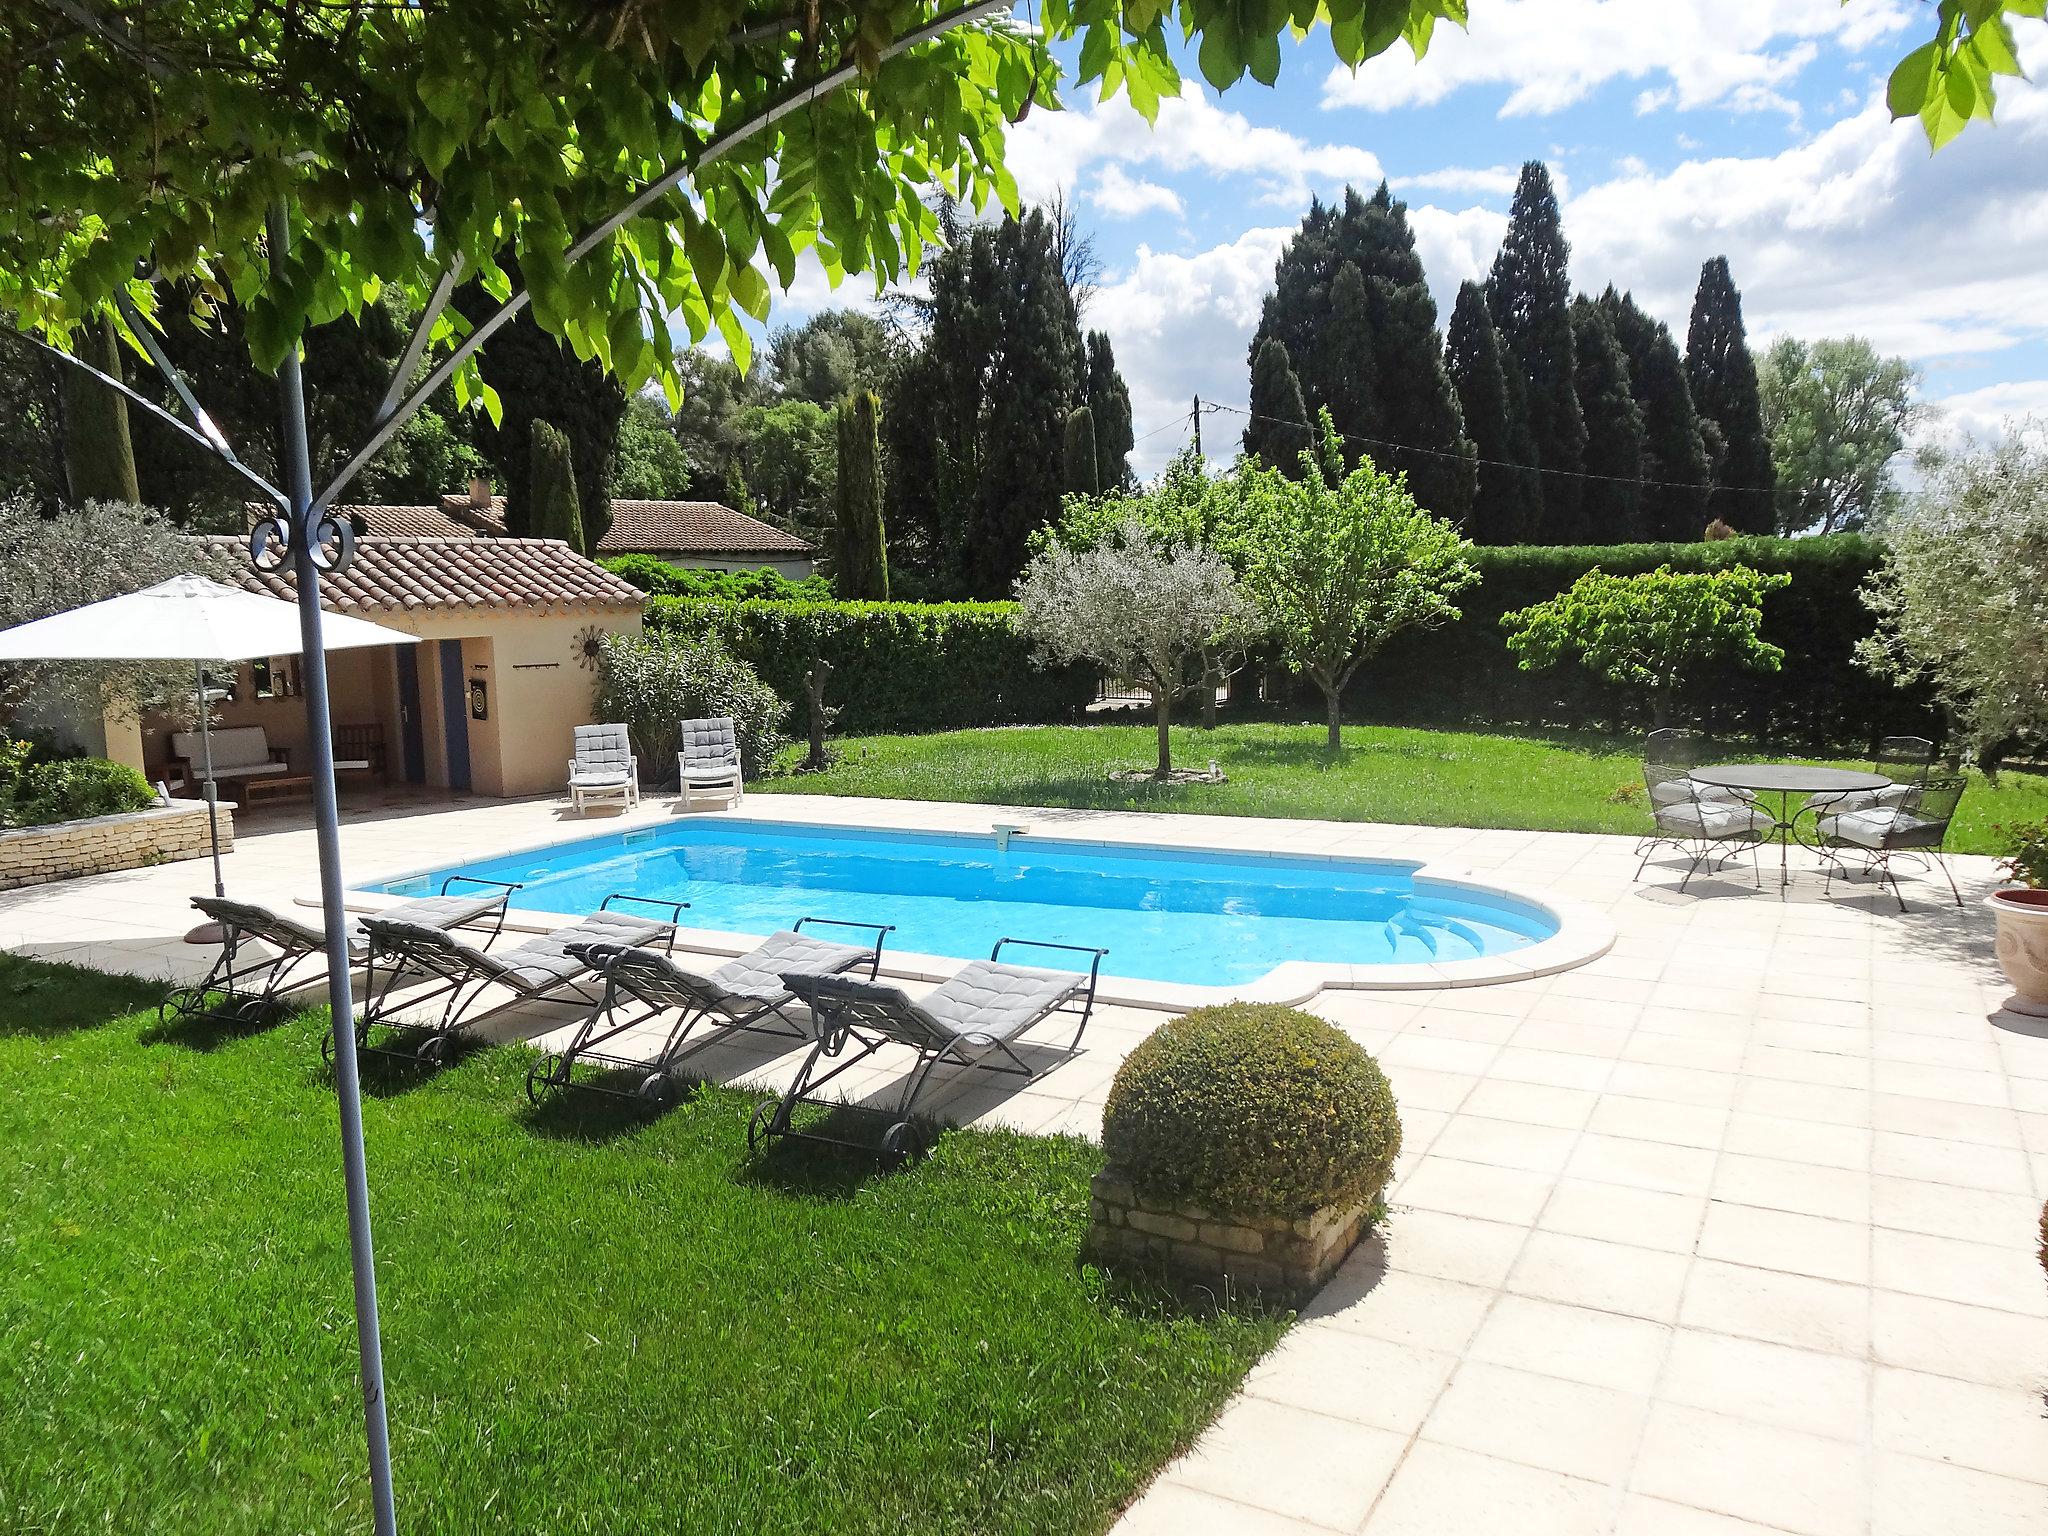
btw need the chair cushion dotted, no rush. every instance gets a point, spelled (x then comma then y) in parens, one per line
(1685, 791)
(986, 1002)
(758, 974)
(599, 778)
(1883, 826)
(1865, 799)
(234, 746)
(1714, 820)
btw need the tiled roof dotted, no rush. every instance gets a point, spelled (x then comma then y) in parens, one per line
(408, 575)
(694, 527)
(453, 519)
(470, 517)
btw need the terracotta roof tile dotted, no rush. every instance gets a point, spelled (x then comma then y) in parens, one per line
(466, 514)
(400, 575)
(394, 522)
(694, 527)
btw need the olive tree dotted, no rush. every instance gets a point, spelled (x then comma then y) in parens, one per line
(1962, 597)
(1134, 604)
(1340, 560)
(51, 565)
(1650, 631)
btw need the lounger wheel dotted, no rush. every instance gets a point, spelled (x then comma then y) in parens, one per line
(432, 1051)
(758, 1134)
(903, 1142)
(327, 1046)
(544, 1076)
(654, 1089)
(180, 1005)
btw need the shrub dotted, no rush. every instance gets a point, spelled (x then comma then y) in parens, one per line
(658, 578)
(1465, 674)
(895, 666)
(36, 794)
(654, 682)
(1255, 1109)
(2028, 863)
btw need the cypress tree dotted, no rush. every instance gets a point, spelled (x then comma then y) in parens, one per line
(863, 549)
(1507, 500)
(1722, 373)
(554, 511)
(1386, 379)
(1613, 497)
(1529, 293)
(1676, 472)
(1109, 405)
(736, 494)
(99, 457)
(1340, 374)
(1078, 453)
(1036, 378)
(1277, 434)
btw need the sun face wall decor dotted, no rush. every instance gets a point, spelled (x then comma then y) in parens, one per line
(587, 647)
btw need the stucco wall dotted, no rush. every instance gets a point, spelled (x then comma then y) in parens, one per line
(795, 570)
(536, 692)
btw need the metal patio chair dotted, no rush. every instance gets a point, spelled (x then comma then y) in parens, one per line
(974, 1019)
(1707, 824)
(244, 981)
(1877, 834)
(604, 768)
(708, 764)
(1905, 760)
(743, 994)
(550, 967)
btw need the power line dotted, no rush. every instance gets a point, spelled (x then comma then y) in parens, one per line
(1537, 469)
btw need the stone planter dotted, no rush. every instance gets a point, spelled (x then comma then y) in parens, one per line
(2023, 947)
(1283, 1259)
(159, 835)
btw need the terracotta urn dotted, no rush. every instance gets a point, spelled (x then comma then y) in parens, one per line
(2023, 947)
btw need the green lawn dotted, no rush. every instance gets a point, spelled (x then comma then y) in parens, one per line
(1384, 773)
(593, 1322)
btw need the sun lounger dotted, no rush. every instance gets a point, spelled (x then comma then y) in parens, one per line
(551, 967)
(748, 993)
(246, 980)
(974, 1019)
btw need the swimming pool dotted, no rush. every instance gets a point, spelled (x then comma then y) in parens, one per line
(1165, 914)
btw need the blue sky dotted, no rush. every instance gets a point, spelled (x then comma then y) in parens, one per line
(1676, 129)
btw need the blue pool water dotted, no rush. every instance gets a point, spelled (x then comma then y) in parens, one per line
(1164, 914)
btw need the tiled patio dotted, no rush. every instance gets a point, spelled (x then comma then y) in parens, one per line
(1730, 1230)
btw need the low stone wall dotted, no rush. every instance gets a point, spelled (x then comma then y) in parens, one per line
(159, 835)
(1285, 1259)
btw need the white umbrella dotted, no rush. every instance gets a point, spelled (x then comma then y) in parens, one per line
(187, 618)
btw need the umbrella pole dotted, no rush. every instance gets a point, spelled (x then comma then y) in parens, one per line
(208, 787)
(326, 824)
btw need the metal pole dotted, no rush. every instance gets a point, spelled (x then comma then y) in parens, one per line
(206, 766)
(326, 825)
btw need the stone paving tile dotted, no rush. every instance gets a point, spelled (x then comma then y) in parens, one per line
(1728, 1232)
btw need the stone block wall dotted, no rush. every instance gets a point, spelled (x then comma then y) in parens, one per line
(1282, 1258)
(159, 835)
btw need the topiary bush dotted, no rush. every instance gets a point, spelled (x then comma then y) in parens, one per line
(1251, 1108)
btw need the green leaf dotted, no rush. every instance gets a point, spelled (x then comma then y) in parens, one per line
(1264, 58)
(1993, 45)
(1913, 81)
(1220, 62)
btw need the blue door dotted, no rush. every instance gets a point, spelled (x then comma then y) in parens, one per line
(413, 746)
(455, 713)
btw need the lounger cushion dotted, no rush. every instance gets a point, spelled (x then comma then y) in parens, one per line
(275, 928)
(1713, 820)
(987, 1002)
(757, 975)
(551, 958)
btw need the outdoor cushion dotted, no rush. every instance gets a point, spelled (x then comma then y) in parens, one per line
(1713, 820)
(758, 973)
(602, 747)
(591, 777)
(986, 1002)
(539, 963)
(1881, 826)
(234, 746)
(1685, 791)
(287, 932)
(1866, 799)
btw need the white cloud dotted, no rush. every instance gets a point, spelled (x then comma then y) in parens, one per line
(1549, 54)
(1120, 195)
(1194, 135)
(1986, 414)
(1488, 181)
(1180, 325)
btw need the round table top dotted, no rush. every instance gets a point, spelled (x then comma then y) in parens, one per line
(1788, 778)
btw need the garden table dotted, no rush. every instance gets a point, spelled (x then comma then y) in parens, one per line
(1786, 780)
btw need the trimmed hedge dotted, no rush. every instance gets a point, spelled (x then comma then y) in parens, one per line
(1464, 674)
(895, 666)
(1252, 1109)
